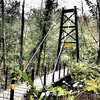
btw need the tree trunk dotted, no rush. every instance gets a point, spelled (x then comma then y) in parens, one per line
(98, 28)
(47, 23)
(3, 39)
(22, 33)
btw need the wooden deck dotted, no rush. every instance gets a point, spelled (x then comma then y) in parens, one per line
(21, 89)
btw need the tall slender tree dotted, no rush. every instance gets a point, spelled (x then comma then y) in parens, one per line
(21, 39)
(98, 28)
(49, 7)
(3, 34)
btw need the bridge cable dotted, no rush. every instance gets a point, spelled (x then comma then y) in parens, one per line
(58, 57)
(30, 60)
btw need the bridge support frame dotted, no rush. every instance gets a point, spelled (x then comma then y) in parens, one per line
(73, 28)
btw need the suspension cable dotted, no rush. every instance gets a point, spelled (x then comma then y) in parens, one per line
(56, 62)
(30, 60)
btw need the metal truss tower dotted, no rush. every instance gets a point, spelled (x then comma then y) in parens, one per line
(69, 30)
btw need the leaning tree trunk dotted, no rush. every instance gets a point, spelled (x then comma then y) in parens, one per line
(98, 28)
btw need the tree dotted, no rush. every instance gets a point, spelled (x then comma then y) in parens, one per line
(49, 6)
(98, 28)
(8, 15)
(12, 9)
(92, 7)
(3, 36)
(21, 39)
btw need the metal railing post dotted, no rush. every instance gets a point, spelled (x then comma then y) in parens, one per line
(6, 78)
(53, 74)
(12, 87)
(32, 75)
(45, 76)
(64, 71)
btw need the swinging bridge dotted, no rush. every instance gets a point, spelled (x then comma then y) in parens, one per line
(53, 74)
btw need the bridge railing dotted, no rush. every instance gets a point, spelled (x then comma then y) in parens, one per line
(5, 78)
(44, 71)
